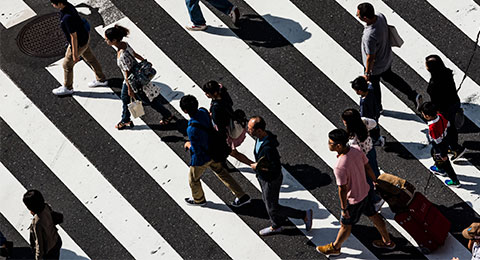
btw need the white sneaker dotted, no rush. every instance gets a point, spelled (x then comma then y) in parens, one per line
(97, 83)
(202, 27)
(62, 91)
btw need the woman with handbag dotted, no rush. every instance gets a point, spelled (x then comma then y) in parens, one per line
(126, 60)
(44, 238)
(443, 95)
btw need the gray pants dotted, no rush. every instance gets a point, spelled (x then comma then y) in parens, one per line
(278, 214)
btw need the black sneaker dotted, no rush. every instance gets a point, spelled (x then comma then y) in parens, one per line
(191, 202)
(238, 202)
(457, 154)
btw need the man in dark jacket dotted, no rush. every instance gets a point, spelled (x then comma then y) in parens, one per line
(269, 175)
(198, 125)
(78, 38)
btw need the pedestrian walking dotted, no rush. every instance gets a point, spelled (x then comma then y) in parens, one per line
(357, 129)
(198, 130)
(76, 31)
(368, 107)
(443, 94)
(269, 175)
(438, 135)
(350, 174)
(44, 238)
(377, 55)
(221, 110)
(126, 60)
(196, 16)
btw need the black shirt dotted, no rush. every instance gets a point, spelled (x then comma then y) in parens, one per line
(71, 22)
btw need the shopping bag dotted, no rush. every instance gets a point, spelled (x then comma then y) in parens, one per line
(395, 39)
(136, 108)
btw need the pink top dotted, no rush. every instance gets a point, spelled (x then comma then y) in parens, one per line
(350, 171)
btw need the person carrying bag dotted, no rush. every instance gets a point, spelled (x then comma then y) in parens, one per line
(137, 80)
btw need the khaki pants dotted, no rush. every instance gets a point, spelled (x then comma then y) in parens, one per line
(197, 171)
(86, 53)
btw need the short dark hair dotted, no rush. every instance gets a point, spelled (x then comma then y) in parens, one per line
(260, 123)
(339, 136)
(189, 104)
(211, 87)
(34, 201)
(366, 10)
(116, 33)
(428, 108)
(360, 83)
(56, 2)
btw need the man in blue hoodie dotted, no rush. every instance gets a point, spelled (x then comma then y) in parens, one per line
(269, 175)
(199, 126)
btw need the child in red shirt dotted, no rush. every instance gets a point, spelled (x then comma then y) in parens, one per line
(437, 132)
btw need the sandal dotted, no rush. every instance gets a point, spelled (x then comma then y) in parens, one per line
(122, 125)
(166, 121)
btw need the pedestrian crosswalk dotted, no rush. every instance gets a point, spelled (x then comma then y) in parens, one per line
(132, 183)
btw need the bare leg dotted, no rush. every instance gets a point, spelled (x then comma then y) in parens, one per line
(381, 227)
(342, 235)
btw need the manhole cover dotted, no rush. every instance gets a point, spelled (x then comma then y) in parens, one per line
(43, 37)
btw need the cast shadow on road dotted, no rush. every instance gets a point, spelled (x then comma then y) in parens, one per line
(26, 253)
(256, 31)
(402, 116)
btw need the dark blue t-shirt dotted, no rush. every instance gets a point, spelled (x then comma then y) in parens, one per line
(70, 22)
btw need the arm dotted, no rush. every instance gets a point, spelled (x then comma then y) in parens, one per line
(39, 243)
(130, 90)
(74, 41)
(470, 244)
(369, 66)
(369, 172)
(342, 194)
(137, 56)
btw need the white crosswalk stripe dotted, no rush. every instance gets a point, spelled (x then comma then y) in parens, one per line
(289, 105)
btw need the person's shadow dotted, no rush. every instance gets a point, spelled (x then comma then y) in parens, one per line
(254, 30)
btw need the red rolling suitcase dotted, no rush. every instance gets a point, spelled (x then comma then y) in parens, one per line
(425, 223)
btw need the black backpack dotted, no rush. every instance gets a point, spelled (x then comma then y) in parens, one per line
(218, 148)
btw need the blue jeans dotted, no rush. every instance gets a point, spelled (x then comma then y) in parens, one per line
(155, 104)
(196, 15)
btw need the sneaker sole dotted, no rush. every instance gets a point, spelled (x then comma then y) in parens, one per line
(239, 205)
(438, 173)
(196, 204)
(333, 254)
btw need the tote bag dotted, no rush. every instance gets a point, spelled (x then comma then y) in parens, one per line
(136, 108)
(395, 39)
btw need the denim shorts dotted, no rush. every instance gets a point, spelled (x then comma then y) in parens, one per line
(365, 206)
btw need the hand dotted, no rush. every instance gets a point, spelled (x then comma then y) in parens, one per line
(444, 158)
(455, 258)
(345, 214)
(367, 77)
(131, 93)
(254, 166)
(187, 145)
(75, 58)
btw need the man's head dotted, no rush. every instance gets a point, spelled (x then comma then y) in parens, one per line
(59, 4)
(428, 110)
(34, 201)
(360, 85)
(365, 12)
(256, 127)
(337, 140)
(189, 105)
